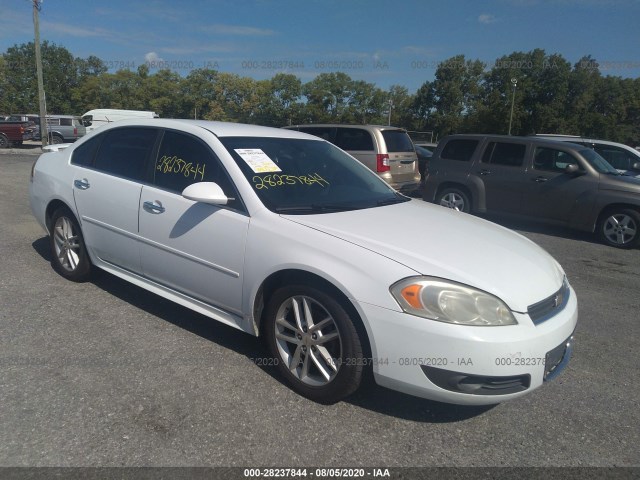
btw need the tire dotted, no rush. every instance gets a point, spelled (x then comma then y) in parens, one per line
(620, 228)
(68, 251)
(323, 371)
(55, 139)
(454, 198)
(4, 141)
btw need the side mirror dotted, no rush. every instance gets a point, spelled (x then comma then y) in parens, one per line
(206, 192)
(636, 167)
(571, 169)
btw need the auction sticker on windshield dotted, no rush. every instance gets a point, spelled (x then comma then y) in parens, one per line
(257, 160)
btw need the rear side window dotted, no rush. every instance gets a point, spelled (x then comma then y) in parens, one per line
(322, 132)
(507, 154)
(125, 151)
(459, 149)
(84, 154)
(354, 139)
(397, 141)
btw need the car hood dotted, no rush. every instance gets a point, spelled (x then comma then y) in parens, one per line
(440, 242)
(625, 183)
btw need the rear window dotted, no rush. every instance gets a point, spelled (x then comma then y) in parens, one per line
(397, 141)
(459, 149)
(507, 154)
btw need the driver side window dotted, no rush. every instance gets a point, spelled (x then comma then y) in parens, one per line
(183, 160)
(551, 160)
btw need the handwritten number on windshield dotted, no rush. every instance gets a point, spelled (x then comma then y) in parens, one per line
(275, 180)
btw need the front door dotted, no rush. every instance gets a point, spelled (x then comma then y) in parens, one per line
(194, 248)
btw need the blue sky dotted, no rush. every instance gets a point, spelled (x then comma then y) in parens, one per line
(381, 41)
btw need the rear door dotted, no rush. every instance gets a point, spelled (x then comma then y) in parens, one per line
(106, 188)
(403, 160)
(501, 171)
(359, 143)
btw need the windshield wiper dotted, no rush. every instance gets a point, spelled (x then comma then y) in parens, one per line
(393, 200)
(314, 208)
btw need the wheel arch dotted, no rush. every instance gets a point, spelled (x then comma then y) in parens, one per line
(610, 208)
(452, 184)
(304, 277)
(52, 207)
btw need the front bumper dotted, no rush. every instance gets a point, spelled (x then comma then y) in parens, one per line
(468, 365)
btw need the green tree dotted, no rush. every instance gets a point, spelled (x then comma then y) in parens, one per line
(59, 72)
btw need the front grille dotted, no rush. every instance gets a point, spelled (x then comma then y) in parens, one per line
(550, 306)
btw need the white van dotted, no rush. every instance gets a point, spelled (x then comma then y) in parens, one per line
(96, 118)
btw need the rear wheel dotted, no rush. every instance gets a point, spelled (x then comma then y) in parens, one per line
(620, 228)
(68, 252)
(314, 343)
(454, 198)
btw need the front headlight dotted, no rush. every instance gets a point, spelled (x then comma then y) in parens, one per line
(450, 302)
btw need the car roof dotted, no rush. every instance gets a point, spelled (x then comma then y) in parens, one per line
(220, 129)
(533, 139)
(343, 125)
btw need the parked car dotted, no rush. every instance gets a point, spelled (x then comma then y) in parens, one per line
(61, 128)
(534, 178)
(424, 155)
(388, 151)
(283, 235)
(623, 158)
(102, 116)
(431, 146)
(14, 132)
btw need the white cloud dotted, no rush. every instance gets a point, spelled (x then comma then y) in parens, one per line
(153, 58)
(486, 18)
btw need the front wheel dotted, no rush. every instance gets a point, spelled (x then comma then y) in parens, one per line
(4, 141)
(314, 343)
(620, 228)
(68, 251)
(454, 198)
(56, 140)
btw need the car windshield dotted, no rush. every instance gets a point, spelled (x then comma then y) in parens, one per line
(597, 162)
(297, 176)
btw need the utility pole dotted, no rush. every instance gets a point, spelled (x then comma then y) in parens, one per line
(390, 108)
(514, 82)
(44, 134)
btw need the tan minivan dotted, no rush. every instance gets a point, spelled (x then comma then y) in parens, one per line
(388, 151)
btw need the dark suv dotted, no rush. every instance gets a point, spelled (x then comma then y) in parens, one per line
(555, 182)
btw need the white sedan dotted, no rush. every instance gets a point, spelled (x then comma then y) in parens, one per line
(283, 235)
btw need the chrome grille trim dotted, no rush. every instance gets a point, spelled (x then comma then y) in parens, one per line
(550, 306)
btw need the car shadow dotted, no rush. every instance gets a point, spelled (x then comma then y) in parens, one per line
(542, 228)
(370, 396)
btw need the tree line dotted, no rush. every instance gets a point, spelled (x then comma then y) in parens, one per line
(466, 96)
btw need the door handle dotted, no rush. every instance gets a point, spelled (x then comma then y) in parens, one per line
(485, 172)
(540, 179)
(153, 207)
(81, 184)
(406, 162)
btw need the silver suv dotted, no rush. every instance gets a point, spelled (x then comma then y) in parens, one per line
(555, 182)
(388, 151)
